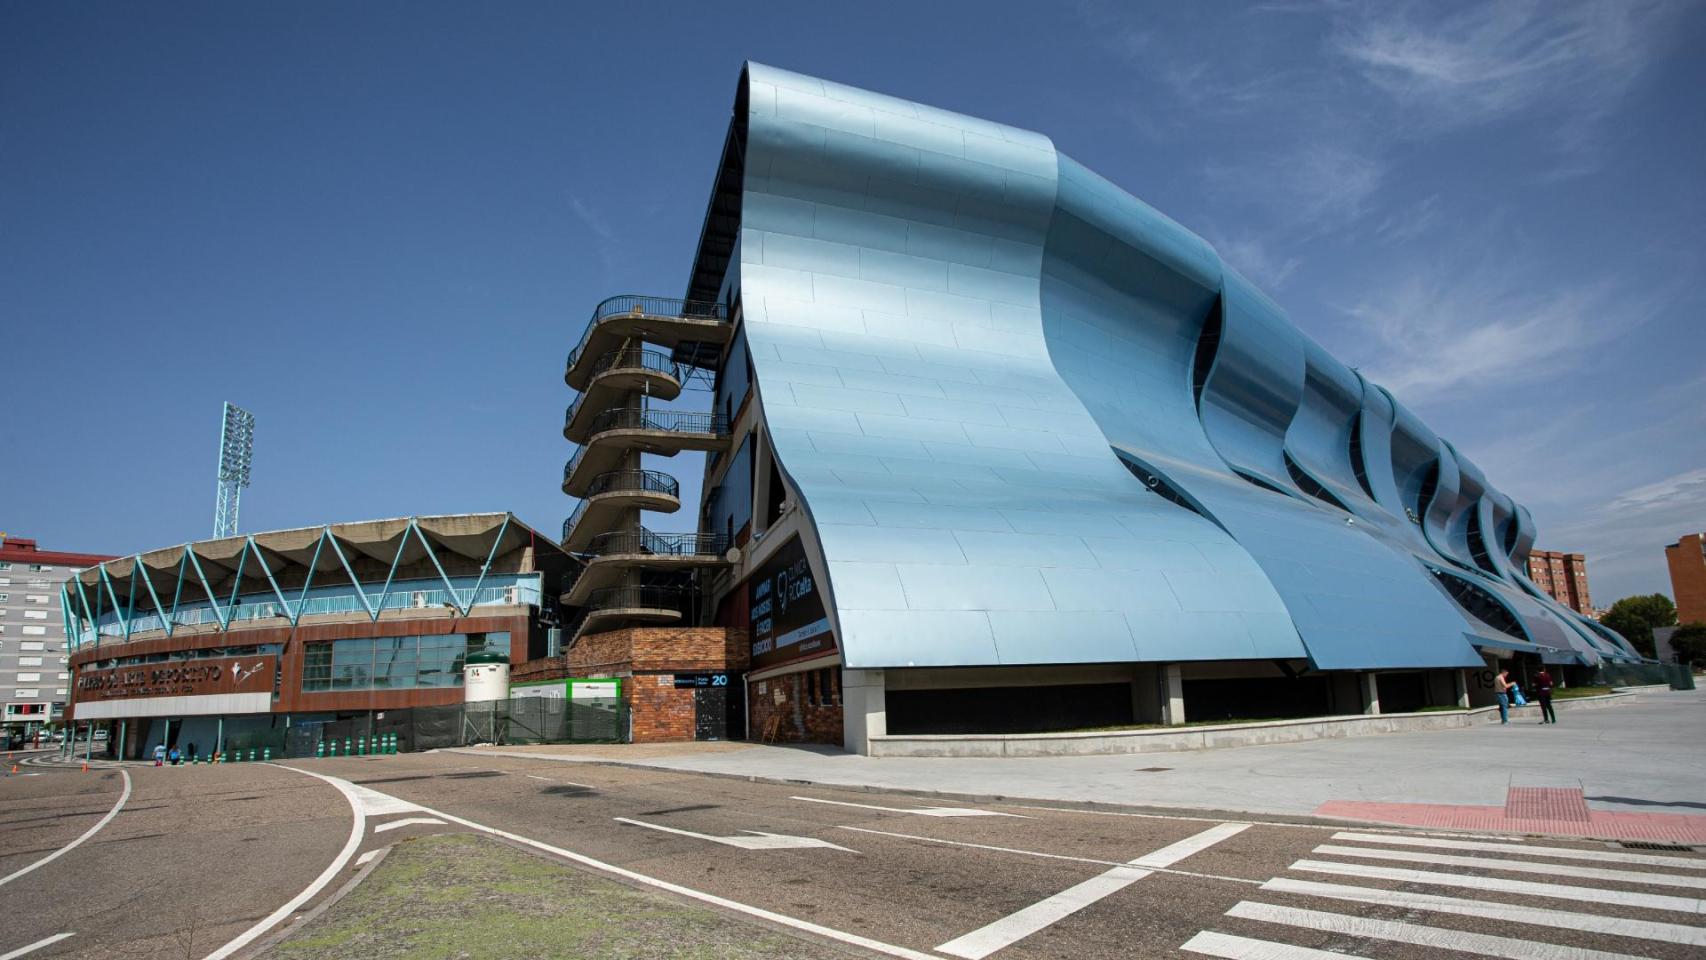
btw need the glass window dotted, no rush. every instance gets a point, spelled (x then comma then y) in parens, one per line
(391, 663)
(5, 597)
(39, 568)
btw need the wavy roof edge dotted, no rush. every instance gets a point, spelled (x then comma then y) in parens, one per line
(470, 535)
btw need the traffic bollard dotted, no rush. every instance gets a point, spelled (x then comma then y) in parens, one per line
(320, 750)
(349, 747)
(251, 754)
(266, 754)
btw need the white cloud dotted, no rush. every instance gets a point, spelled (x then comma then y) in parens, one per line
(1313, 187)
(1625, 538)
(604, 238)
(1256, 259)
(1403, 226)
(1575, 60)
(1448, 329)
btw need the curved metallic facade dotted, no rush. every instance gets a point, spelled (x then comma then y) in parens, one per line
(1035, 421)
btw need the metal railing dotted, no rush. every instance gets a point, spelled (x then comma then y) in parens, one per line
(404, 594)
(627, 598)
(631, 358)
(625, 481)
(642, 418)
(639, 306)
(644, 541)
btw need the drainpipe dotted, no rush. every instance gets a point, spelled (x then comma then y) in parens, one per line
(746, 704)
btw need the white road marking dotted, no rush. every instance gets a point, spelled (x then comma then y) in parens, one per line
(1557, 853)
(1493, 910)
(366, 858)
(1557, 891)
(919, 811)
(373, 803)
(840, 936)
(1228, 947)
(1480, 944)
(33, 947)
(567, 783)
(1046, 856)
(758, 841)
(1014, 927)
(123, 796)
(406, 822)
(1516, 866)
(358, 798)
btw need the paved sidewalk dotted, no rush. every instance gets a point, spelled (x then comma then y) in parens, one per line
(1645, 757)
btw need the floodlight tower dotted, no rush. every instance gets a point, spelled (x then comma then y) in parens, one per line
(236, 453)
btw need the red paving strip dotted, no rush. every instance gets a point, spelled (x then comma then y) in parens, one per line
(1662, 827)
(1546, 803)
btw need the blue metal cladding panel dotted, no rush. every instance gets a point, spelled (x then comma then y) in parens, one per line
(953, 328)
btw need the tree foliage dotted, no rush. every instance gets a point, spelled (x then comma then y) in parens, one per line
(1635, 618)
(1689, 642)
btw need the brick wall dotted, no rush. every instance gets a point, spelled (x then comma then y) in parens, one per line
(660, 713)
(643, 655)
(805, 718)
(1688, 578)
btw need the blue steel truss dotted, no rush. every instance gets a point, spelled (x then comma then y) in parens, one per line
(78, 611)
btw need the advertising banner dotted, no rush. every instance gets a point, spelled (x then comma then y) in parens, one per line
(180, 678)
(788, 614)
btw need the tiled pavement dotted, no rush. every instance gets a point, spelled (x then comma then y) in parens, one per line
(1555, 811)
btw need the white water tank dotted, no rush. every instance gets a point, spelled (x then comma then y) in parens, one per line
(485, 678)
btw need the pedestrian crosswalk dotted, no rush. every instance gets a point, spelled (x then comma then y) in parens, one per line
(1463, 903)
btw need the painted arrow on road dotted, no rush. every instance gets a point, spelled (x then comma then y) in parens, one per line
(758, 841)
(919, 811)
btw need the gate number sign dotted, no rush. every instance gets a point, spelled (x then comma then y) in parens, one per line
(695, 680)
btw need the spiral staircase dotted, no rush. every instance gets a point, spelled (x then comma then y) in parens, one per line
(637, 351)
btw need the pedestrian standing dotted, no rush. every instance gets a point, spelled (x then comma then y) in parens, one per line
(159, 754)
(173, 757)
(1502, 688)
(1543, 693)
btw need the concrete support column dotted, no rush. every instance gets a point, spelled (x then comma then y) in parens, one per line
(1462, 679)
(1370, 694)
(864, 709)
(1145, 694)
(1172, 688)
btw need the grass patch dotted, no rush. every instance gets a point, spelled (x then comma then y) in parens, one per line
(467, 897)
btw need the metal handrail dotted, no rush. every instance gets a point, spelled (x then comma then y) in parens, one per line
(626, 597)
(631, 357)
(643, 418)
(637, 481)
(642, 306)
(658, 544)
(615, 598)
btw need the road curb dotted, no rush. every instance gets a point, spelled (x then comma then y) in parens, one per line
(267, 942)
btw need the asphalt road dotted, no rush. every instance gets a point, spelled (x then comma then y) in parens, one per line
(850, 872)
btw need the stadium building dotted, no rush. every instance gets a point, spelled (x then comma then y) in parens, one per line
(277, 638)
(996, 447)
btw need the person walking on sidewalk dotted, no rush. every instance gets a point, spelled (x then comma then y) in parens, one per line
(1502, 688)
(1543, 693)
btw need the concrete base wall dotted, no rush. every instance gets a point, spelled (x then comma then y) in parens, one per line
(1165, 740)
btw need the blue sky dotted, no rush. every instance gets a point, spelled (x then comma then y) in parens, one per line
(381, 226)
